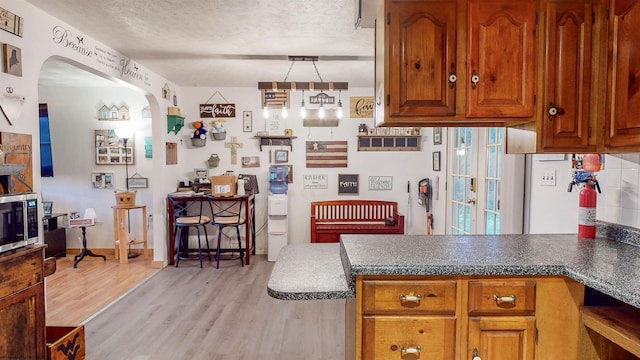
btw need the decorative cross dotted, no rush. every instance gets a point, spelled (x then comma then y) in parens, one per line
(233, 145)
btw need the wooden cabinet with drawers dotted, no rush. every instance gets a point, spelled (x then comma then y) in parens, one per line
(459, 317)
(414, 318)
(502, 322)
(22, 319)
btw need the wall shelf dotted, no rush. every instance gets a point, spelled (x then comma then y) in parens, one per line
(174, 123)
(389, 143)
(276, 141)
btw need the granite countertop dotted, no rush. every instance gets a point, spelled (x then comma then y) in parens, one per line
(327, 271)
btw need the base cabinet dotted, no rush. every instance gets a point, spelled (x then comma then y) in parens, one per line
(22, 318)
(409, 337)
(463, 317)
(502, 338)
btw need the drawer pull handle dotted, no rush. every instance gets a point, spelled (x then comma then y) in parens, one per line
(410, 298)
(504, 299)
(410, 350)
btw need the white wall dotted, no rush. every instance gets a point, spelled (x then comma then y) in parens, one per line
(555, 210)
(73, 115)
(73, 119)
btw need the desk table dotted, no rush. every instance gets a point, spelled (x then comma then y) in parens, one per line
(250, 226)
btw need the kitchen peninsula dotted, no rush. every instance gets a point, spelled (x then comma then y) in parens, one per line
(446, 296)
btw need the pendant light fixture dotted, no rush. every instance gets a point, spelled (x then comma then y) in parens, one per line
(285, 111)
(275, 88)
(265, 109)
(303, 111)
(321, 112)
(339, 110)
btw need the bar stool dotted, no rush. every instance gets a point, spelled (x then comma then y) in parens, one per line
(228, 214)
(186, 215)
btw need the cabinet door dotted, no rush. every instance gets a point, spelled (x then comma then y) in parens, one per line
(567, 61)
(501, 59)
(22, 324)
(622, 127)
(502, 338)
(408, 337)
(421, 58)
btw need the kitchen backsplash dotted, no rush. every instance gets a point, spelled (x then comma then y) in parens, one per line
(619, 202)
(618, 232)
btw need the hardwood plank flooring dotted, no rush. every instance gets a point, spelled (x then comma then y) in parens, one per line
(74, 295)
(219, 314)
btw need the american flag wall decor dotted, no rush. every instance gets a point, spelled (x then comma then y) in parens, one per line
(326, 154)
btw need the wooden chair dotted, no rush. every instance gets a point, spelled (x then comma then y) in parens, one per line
(186, 215)
(228, 214)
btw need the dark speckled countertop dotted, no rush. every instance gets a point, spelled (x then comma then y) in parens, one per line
(327, 271)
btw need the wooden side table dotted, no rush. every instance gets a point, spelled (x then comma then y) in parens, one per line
(121, 230)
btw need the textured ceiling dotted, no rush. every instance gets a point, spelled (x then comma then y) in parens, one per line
(229, 42)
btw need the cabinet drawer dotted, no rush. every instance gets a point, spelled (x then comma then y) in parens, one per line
(502, 297)
(410, 296)
(20, 270)
(408, 337)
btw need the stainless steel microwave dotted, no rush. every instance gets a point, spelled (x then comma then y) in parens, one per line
(18, 220)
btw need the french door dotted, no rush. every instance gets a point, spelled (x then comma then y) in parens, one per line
(487, 186)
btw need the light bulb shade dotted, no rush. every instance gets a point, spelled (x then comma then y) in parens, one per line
(125, 132)
(90, 213)
(303, 111)
(285, 111)
(321, 113)
(339, 113)
(265, 112)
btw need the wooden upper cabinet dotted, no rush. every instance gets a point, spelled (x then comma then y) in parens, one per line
(501, 59)
(622, 110)
(565, 120)
(422, 58)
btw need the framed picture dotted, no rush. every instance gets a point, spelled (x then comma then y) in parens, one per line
(436, 161)
(11, 60)
(111, 150)
(138, 182)
(437, 136)
(247, 121)
(200, 175)
(102, 180)
(282, 156)
(348, 184)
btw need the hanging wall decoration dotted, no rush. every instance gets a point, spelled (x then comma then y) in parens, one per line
(102, 180)
(12, 60)
(148, 147)
(348, 184)
(326, 154)
(11, 22)
(113, 113)
(172, 153)
(217, 110)
(110, 149)
(361, 107)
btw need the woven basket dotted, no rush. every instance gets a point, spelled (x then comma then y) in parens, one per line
(125, 198)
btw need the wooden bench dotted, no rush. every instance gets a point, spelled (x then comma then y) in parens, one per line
(329, 219)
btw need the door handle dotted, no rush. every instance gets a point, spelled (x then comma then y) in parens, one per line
(471, 201)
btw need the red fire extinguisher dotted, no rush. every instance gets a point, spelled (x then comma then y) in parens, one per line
(587, 212)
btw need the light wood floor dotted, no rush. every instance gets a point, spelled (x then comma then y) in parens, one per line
(74, 295)
(224, 314)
